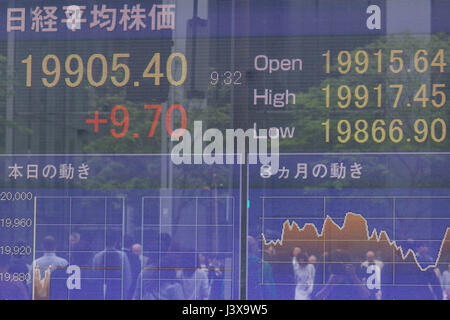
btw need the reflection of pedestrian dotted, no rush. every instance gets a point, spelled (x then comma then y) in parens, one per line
(135, 265)
(318, 267)
(415, 284)
(78, 250)
(137, 250)
(195, 284)
(254, 274)
(10, 290)
(114, 267)
(167, 288)
(49, 259)
(216, 279)
(372, 266)
(428, 279)
(446, 282)
(423, 254)
(343, 283)
(304, 276)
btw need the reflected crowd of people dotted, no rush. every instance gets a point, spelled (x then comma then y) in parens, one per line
(122, 270)
(115, 273)
(338, 275)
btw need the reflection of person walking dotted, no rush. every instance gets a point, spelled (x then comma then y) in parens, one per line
(304, 275)
(446, 283)
(49, 259)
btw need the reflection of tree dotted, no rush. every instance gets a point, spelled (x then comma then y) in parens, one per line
(310, 111)
(142, 172)
(215, 115)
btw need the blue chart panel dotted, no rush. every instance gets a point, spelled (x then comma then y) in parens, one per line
(111, 227)
(188, 234)
(88, 233)
(350, 226)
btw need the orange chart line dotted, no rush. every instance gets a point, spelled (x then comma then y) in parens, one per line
(350, 218)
